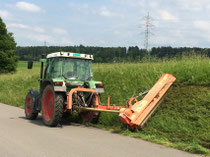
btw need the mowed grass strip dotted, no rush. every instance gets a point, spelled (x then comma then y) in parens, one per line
(182, 120)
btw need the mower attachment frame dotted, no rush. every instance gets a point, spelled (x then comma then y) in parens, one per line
(134, 116)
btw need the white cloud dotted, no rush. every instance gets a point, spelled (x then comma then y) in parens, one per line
(192, 5)
(165, 15)
(5, 14)
(18, 25)
(103, 42)
(41, 38)
(38, 29)
(49, 39)
(66, 41)
(78, 6)
(26, 27)
(85, 6)
(105, 12)
(86, 9)
(117, 32)
(153, 4)
(59, 31)
(28, 7)
(202, 25)
(207, 6)
(131, 3)
(82, 7)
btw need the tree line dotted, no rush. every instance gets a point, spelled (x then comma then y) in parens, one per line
(110, 54)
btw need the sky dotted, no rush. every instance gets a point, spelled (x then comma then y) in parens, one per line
(108, 23)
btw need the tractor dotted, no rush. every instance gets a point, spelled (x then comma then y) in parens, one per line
(63, 72)
(67, 85)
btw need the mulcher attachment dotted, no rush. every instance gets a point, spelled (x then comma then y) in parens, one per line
(136, 115)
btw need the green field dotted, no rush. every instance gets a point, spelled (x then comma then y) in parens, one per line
(182, 120)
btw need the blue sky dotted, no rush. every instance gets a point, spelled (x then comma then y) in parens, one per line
(115, 23)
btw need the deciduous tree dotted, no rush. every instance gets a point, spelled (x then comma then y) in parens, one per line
(8, 60)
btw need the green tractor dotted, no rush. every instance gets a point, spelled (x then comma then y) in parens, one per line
(64, 72)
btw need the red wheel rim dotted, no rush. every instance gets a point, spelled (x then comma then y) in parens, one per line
(48, 105)
(28, 105)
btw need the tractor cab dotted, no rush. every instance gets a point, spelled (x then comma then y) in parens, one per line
(67, 70)
(66, 83)
(69, 66)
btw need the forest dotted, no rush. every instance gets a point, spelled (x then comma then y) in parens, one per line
(111, 54)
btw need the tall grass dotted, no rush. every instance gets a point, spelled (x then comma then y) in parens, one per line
(124, 80)
(182, 120)
(14, 86)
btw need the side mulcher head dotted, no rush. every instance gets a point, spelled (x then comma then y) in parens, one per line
(136, 115)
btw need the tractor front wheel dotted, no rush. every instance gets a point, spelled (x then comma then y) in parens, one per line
(52, 106)
(32, 99)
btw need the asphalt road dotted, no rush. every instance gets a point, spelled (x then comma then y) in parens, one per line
(20, 137)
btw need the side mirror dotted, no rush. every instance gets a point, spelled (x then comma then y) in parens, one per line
(30, 64)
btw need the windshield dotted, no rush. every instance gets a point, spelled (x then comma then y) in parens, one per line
(77, 69)
(72, 69)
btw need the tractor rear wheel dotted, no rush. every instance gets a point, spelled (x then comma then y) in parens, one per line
(32, 99)
(52, 106)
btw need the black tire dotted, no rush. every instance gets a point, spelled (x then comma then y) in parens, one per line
(90, 116)
(52, 106)
(31, 102)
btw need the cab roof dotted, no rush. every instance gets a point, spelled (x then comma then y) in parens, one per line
(70, 55)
